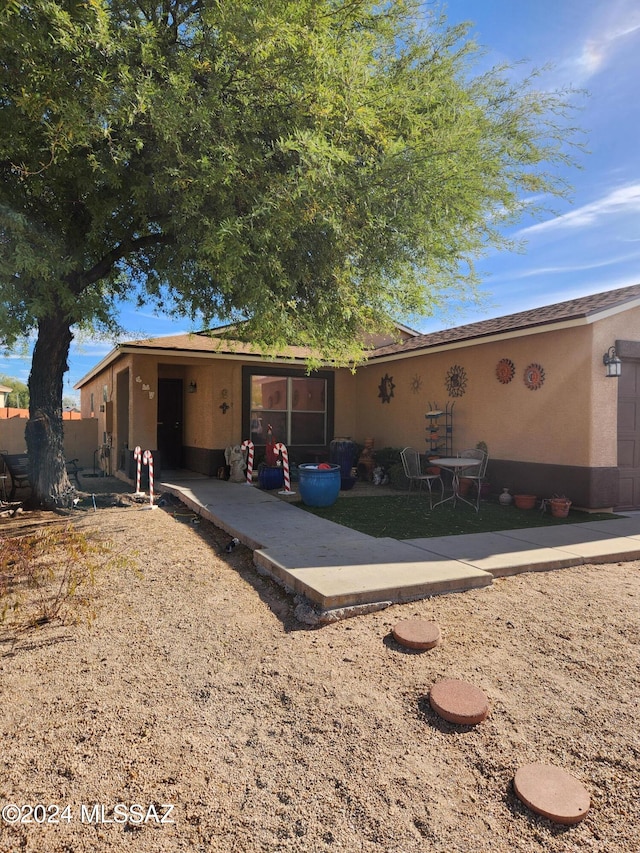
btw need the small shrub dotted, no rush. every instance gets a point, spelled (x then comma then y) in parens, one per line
(49, 575)
(397, 477)
(388, 457)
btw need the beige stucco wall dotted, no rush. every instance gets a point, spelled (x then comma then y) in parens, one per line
(216, 382)
(80, 439)
(552, 424)
(345, 421)
(205, 424)
(570, 420)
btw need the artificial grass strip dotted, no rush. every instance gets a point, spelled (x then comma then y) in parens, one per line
(409, 517)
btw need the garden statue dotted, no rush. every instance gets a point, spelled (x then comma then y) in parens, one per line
(367, 461)
(234, 457)
(380, 476)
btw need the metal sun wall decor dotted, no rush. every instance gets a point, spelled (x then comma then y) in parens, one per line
(505, 370)
(385, 388)
(416, 383)
(456, 381)
(534, 376)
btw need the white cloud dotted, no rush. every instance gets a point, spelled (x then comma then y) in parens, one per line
(621, 201)
(572, 268)
(609, 33)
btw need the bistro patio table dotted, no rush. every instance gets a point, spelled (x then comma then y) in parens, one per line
(454, 464)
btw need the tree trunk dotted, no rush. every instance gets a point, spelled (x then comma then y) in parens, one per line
(45, 432)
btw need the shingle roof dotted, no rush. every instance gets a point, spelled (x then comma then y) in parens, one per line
(584, 307)
(205, 343)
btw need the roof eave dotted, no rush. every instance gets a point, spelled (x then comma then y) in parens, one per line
(132, 349)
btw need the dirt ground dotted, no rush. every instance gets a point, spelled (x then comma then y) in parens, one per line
(195, 687)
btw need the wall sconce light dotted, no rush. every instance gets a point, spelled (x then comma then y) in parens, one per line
(612, 362)
(193, 387)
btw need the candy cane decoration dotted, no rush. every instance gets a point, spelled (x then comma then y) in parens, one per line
(249, 444)
(147, 458)
(137, 455)
(280, 448)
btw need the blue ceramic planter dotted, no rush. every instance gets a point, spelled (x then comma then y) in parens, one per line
(342, 451)
(319, 486)
(270, 477)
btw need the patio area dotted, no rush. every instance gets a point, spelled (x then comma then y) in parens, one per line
(340, 571)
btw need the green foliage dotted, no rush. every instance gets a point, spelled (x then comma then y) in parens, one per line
(19, 396)
(397, 478)
(409, 517)
(315, 167)
(312, 166)
(388, 456)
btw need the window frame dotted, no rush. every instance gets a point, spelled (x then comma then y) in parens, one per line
(249, 371)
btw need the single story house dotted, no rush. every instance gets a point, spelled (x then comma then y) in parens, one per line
(4, 393)
(534, 386)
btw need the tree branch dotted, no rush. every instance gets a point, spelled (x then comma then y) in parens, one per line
(118, 253)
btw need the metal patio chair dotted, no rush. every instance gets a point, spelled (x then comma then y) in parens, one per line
(475, 472)
(413, 472)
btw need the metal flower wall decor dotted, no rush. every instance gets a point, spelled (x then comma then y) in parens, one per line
(456, 381)
(534, 376)
(505, 370)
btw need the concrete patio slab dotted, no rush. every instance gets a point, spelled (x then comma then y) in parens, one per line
(346, 574)
(337, 568)
(627, 526)
(594, 546)
(498, 554)
(256, 517)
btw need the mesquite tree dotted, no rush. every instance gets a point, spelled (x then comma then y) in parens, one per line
(310, 166)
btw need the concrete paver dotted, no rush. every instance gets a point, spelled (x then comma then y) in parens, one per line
(335, 567)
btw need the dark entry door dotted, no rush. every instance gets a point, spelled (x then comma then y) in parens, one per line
(629, 435)
(170, 422)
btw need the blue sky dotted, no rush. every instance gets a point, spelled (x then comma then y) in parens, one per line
(592, 243)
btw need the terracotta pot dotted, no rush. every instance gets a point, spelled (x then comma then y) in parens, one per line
(559, 507)
(433, 469)
(524, 501)
(464, 485)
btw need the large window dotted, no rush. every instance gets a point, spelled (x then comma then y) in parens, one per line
(296, 406)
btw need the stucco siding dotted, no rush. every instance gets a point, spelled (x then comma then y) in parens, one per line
(549, 424)
(346, 408)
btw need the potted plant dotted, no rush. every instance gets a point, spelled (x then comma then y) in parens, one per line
(560, 506)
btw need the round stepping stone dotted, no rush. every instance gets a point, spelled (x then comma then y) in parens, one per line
(552, 792)
(459, 702)
(417, 634)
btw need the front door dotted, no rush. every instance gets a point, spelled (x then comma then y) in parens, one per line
(629, 435)
(170, 422)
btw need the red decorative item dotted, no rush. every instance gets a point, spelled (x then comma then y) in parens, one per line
(534, 376)
(271, 455)
(324, 466)
(505, 370)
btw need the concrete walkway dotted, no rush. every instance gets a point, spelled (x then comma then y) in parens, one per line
(337, 568)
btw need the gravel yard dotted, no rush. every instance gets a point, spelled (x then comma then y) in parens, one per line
(194, 687)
